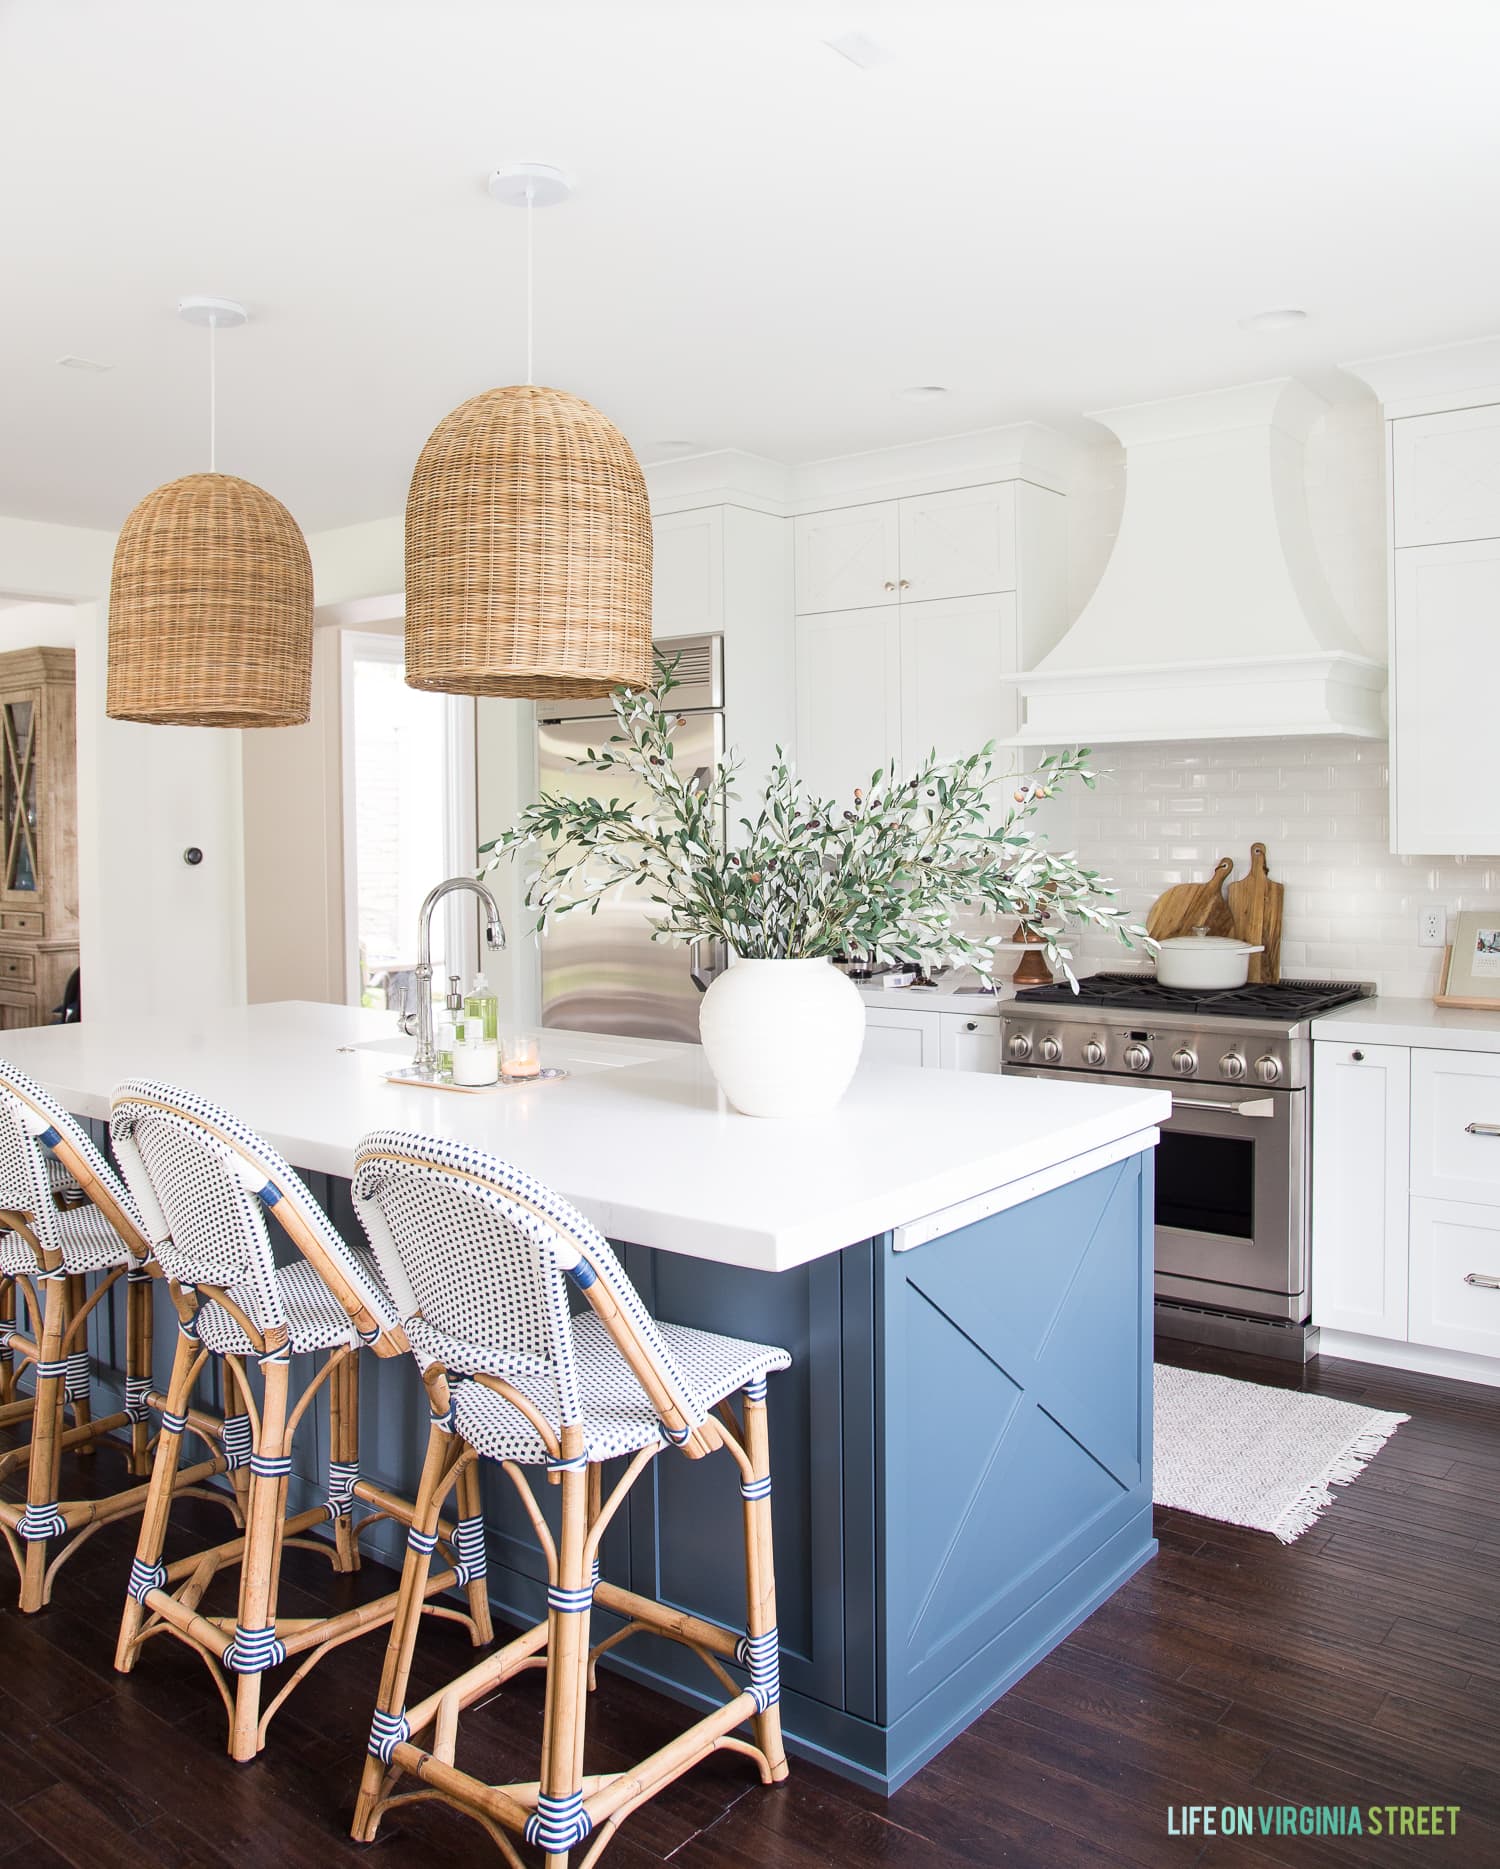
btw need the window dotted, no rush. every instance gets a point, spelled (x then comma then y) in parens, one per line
(409, 821)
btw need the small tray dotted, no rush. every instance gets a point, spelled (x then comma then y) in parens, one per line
(408, 1082)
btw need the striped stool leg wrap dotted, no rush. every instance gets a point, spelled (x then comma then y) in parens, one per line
(281, 1354)
(387, 1731)
(342, 1475)
(674, 1436)
(755, 1390)
(52, 1371)
(576, 1465)
(189, 1326)
(420, 1541)
(239, 1441)
(271, 1466)
(137, 1398)
(369, 1338)
(594, 1571)
(8, 1329)
(470, 1556)
(254, 1650)
(146, 1577)
(756, 1489)
(138, 1275)
(172, 1424)
(39, 1522)
(570, 1602)
(558, 1824)
(761, 1654)
(76, 1382)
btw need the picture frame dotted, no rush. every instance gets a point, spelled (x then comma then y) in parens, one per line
(1471, 975)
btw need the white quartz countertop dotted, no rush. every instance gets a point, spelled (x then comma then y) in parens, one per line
(638, 1136)
(1381, 1021)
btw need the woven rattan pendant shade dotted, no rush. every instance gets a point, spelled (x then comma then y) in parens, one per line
(528, 552)
(210, 609)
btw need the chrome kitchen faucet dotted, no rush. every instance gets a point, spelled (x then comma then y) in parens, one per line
(419, 1025)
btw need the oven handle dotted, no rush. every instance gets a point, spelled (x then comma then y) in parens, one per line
(1252, 1106)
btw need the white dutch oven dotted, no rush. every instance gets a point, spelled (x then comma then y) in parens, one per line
(1204, 961)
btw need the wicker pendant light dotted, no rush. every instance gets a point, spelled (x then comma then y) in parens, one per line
(210, 600)
(528, 536)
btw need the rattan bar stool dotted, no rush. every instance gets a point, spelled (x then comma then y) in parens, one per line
(69, 1221)
(479, 1258)
(205, 1185)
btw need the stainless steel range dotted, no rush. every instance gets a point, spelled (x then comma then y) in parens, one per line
(1232, 1206)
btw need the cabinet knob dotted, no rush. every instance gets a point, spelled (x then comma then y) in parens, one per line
(1357, 1056)
(971, 1025)
(904, 585)
(890, 584)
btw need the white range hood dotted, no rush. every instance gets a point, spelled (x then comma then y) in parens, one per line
(1213, 619)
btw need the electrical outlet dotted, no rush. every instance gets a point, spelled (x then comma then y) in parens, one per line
(1432, 928)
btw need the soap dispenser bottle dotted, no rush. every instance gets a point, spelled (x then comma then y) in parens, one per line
(453, 1011)
(484, 1005)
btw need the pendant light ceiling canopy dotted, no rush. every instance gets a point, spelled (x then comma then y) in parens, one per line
(528, 534)
(210, 599)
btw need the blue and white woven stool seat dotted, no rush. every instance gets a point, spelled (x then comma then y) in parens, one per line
(617, 1417)
(87, 1240)
(315, 1318)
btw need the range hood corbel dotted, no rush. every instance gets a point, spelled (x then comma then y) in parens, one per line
(1213, 619)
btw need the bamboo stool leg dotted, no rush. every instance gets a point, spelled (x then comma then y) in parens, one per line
(139, 1303)
(236, 1436)
(559, 1822)
(761, 1652)
(8, 1321)
(255, 1647)
(389, 1726)
(148, 1572)
(472, 1565)
(343, 1457)
(76, 1382)
(42, 1521)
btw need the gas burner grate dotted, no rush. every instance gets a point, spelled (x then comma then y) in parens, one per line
(1288, 999)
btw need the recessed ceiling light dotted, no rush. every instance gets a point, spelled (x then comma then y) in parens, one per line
(860, 49)
(84, 363)
(1281, 319)
(923, 392)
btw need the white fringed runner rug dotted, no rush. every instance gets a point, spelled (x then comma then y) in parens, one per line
(1264, 1458)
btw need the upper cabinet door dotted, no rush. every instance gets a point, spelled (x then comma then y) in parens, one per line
(959, 544)
(848, 559)
(955, 656)
(1446, 470)
(848, 698)
(1445, 673)
(687, 573)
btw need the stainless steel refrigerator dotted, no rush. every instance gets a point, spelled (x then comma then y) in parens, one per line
(603, 972)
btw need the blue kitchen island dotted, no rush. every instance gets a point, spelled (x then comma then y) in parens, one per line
(960, 1266)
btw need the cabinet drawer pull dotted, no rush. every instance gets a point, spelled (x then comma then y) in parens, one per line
(971, 1025)
(1482, 1280)
(1482, 1129)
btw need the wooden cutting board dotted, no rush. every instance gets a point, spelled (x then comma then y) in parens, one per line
(1187, 906)
(1255, 905)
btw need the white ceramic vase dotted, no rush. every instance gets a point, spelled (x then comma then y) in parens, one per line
(782, 1036)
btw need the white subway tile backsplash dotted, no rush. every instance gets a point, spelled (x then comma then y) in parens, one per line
(1165, 815)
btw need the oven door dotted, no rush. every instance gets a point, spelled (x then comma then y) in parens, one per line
(1231, 1195)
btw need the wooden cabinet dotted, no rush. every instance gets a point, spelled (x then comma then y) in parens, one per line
(1361, 1124)
(1445, 673)
(38, 834)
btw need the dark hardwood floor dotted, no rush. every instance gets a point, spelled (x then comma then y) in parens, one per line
(1360, 1665)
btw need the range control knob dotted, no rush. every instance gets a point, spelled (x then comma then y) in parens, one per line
(1093, 1051)
(1184, 1061)
(1019, 1047)
(1268, 1069)
(1232, 1065)
(1051, 1050)
(1138, 1057)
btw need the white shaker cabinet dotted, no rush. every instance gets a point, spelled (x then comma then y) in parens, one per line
(960, 543)
(1445, 476)
(1445, 675)
(848, 698)
(901, 1037)
(1455, 1276)
(968, 1044)
(955, 657)
(850, 558)
(1361, 1148)
(1455, 1134)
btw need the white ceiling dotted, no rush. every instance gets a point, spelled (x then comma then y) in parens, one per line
(1050, 207)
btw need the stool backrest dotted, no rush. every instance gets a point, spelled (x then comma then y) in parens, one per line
(478, 1256)
(38, 1135)
(205, 1183)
